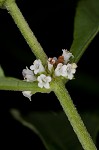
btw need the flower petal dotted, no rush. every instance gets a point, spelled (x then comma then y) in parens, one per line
(37, 66)
(28, 75)
(27, 94)
(66, 55)
(43, 81)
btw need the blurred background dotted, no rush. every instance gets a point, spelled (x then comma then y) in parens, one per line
(52, 23)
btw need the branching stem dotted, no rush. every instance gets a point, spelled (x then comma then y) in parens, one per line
(57, 87)
(73, 116)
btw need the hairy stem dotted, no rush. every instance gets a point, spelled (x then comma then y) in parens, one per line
(73, 116)
(26, 31)
(58, 87)
(13, 84)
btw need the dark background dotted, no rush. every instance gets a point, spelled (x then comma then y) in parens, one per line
(52, 23)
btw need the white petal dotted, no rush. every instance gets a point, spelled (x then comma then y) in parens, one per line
(66, 55)
(30, 78)
(59, 65)
(43, 81)
(32, 67)
(58, 69)
(64, 71)
(36, 71)
(73, 71)
(48, 78)
(40, 85)
(70, 76)
(26, 71)
(57, 72)
(27, 94)
(28, 75)
(50, 66)
(74, 66)
(37, 66)
(41, 78)
(47, 86)
(61, 70)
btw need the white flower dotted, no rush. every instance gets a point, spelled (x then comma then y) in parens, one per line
(61, 70)
(28, 75)
(66, 70)
(66, 55)
(71, 69)
(27, 94)
(37, 66)
(43, 81)
(51, 62)
(50, 66)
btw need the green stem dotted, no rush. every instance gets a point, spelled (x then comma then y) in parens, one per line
(8, 83)
(59, 87)
(73, 116)
(25, 30)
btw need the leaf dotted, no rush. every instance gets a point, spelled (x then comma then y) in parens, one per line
(54, 128)
(86, 83)
(1, 72)
(91, 120)
(86, 26)
(8, 83)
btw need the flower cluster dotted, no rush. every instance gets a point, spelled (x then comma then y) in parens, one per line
(55, 68)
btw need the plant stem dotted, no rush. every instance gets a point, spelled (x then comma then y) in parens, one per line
(8, 83)
(58, 87)
(26, 31)
(73, 116)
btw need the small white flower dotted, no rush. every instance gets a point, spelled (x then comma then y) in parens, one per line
(27, 94)
(28, 75)
(58, 69)
(71, 69)
(51, 62)
(61, 70)
(37, 66)
(43, 81)
(66, 70)
(66, 55)
(50, 66)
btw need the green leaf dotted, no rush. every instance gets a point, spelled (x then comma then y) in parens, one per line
(91, 120)
(86, 26)
(54, 129)
(87, 83)
(1, 72)
(7, 83)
